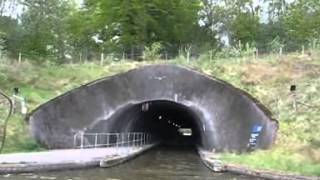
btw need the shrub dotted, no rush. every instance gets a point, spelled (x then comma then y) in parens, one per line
(275, 45)
(153, 52)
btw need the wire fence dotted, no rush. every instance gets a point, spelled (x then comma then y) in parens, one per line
(105, 57)
(102, 140)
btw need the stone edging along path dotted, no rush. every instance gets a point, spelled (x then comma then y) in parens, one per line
(102, 161)
(112, 160)
(217, 166)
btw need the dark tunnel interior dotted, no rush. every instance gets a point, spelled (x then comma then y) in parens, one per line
(171, 123)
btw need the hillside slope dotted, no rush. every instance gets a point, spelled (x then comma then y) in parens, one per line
(268, 79)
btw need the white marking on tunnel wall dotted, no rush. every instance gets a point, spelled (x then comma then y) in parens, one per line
(106, 115)
(160, 78)
(176, 97)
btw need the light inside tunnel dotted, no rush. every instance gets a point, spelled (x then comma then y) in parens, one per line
(185, 131)
(169, 122)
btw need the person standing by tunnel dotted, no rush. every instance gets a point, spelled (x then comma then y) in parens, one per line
(19, 103)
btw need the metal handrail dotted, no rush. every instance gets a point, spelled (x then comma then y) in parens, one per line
(129, 139)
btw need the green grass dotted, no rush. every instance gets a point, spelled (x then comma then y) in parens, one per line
(279, 159)
(268, 79)
(18, 138)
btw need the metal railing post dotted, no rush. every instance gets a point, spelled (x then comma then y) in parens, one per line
(117, 145)
(81, 146)
(116, 140)
(147, 141)
(134, 141)
(96, 140)
(141, 139)
(122, 139)
(128, 140)
(108, 140)
(75, 140)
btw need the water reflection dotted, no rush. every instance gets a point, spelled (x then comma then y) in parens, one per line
(160, 163)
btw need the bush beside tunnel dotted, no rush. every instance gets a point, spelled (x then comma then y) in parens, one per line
(158, 99)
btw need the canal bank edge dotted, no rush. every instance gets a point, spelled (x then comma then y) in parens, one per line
(114, 161)
(212, 162)
(42, 167)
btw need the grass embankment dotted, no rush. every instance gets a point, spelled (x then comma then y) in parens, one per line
(268, 79)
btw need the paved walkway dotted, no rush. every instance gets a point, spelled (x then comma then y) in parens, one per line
(66, 156)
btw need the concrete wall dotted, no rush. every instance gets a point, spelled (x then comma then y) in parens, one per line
(225, 115)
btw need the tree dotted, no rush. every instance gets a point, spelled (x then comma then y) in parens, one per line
(276, 9)
(211, 18)
(239, 20)
(302, 21)
(81, 31)
(131, 25)
(2, 45)
(45, 25)
(10, 31)
(245, 28)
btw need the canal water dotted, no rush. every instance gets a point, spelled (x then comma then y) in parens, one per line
(160, 163)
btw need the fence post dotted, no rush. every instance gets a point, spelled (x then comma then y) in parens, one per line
(117, 145)
(134, 139)
(257, 53)
(122, 139)
(20, 58)
(102, 59)
(141, 139)
(144, 139)
(188, 56)
(128, 135)
(108, 137)
(82, 140)
(294, 96)
(132, 53)
(295, 107)
(96, 140)
(75, 140)
(147, 138)
(123, 56)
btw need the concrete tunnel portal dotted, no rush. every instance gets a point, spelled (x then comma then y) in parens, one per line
(161, 100)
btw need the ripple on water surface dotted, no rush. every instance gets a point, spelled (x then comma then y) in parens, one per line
(160, 163)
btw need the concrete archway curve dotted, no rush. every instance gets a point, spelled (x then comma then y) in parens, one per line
(221, 115)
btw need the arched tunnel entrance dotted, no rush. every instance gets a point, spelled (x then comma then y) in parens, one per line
(169, 122)
(178, 106)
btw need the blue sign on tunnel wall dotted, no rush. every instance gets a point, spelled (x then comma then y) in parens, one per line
(255, 132)
(256, 129)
